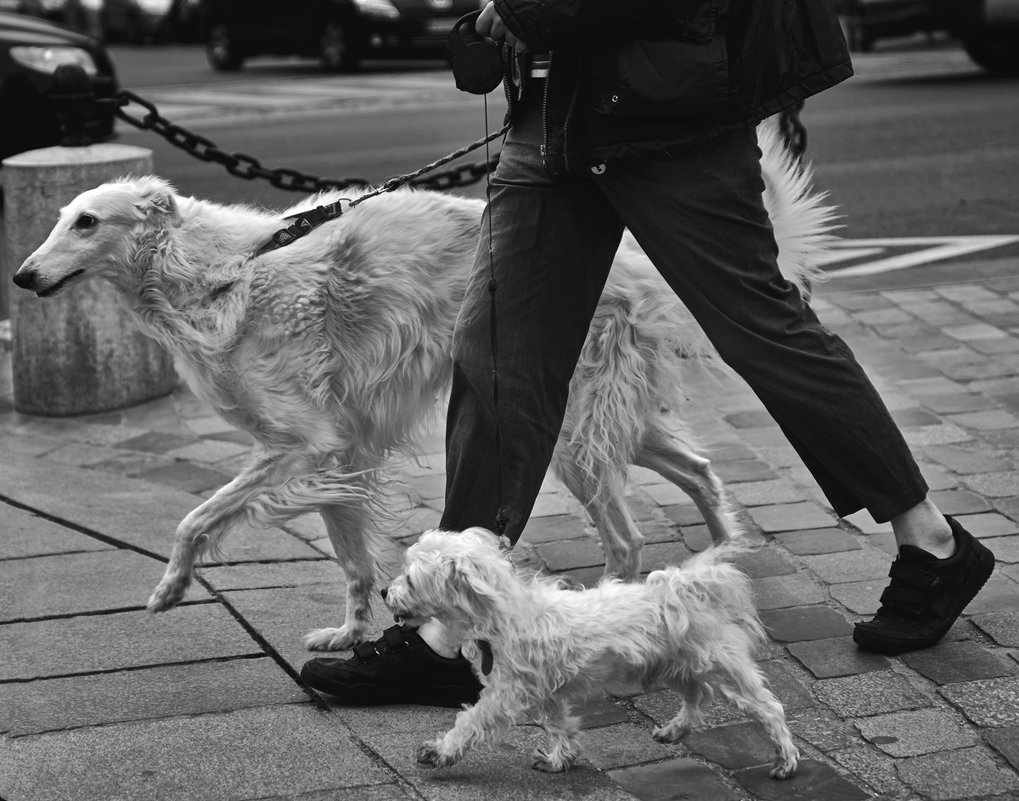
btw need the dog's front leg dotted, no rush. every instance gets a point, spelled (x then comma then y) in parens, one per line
(204, 527)
(497, 709)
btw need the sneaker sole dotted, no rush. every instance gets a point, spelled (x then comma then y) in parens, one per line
(873, 641)
(369, 695)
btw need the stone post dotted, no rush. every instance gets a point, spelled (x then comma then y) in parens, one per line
(80, 351)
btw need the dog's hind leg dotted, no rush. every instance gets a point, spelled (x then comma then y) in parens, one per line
(350, 535)
(621, 539)
(562, 729)
(744, 685)
(696, 698)
(678, 462)
(203, 528)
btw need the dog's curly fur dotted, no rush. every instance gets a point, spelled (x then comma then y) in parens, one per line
(330, 352)
(692, 629)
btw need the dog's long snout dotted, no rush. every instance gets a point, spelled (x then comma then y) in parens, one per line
(25, 278)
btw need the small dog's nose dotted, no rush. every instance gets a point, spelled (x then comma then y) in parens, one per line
(24, 279)
(382, 592)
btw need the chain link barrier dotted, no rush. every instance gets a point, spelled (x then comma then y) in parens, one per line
(250, 168)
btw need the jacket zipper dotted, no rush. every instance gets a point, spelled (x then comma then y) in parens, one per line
(544, 117)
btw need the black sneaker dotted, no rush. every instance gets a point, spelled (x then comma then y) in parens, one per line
(926, 595)
(397, 668)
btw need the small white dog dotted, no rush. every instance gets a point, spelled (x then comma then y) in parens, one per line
(539, 647)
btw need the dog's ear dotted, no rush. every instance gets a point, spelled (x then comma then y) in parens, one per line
(157, 198)
(473, 586)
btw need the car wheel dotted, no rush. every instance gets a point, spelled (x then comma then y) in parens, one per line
(221, 49)
(338, 49)
(998, 54)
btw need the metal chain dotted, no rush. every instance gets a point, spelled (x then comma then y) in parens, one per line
(249, 168)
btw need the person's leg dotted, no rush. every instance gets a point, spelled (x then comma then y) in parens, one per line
(552, 248)
(701, 219)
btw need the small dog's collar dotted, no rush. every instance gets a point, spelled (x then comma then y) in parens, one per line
(487, 658)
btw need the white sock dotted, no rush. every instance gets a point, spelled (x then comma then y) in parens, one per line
(437, 637)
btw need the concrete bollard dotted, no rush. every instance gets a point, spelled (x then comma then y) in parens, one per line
(80, 351)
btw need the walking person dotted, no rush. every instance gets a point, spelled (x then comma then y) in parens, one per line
(642, 116)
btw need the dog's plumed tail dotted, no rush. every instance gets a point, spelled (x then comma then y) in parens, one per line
(709, 580)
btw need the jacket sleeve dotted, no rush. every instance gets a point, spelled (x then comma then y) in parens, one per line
(541, 23)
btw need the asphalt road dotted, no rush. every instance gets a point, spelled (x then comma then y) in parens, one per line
(919, 144)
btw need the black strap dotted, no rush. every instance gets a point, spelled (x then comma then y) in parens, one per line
(304, 223)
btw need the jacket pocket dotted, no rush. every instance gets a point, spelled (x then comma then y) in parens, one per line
(661, 75)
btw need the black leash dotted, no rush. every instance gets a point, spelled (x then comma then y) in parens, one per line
(307, 221)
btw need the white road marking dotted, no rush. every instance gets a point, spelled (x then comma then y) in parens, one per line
(918, 250)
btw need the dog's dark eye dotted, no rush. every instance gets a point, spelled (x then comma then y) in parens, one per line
(85, 221)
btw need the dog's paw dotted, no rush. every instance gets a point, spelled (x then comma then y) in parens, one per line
(168, 593)
(670, 734)
(548, 763)
(332, 639)
(429, 756)
(784, 767)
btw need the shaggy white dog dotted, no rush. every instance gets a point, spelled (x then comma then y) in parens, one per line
(538, 647)
(330, 352)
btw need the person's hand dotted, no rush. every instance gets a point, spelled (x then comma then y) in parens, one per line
(491, 26)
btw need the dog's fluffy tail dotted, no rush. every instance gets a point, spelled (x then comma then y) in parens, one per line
(709, 579)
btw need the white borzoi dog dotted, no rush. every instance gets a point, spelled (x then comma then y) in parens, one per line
(539, 648)
(331, 350)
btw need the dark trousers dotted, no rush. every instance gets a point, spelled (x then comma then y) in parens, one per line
(700, 217)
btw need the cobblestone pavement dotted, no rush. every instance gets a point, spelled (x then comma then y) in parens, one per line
(101, 700)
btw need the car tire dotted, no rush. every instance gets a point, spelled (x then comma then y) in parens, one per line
(221, 49)
(337, 49)
(995, 53)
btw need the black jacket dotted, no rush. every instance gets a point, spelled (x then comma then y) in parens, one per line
(642, 77)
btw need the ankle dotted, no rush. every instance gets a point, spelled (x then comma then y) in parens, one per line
(925, 527)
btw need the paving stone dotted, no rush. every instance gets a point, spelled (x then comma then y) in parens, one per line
(817, 541)
(160, 692)
(849, 566)
(962, 774)
(248, 543)
(274, 574)
(736, 745)
(68, 584)
(959, 502)
(987, 702)
(821, 728)
(569, 555)
(837, 656)
(155, 442)
(26, 534)
(866, 524)
(662, 706)
(131, 464)
(993, 419)
(80, 454)
(997, 595)
(988, 524)
(874, 768)
(916, 732)
(121, 640)
(211, 757)
(951, 662)
(623, 745)
(1006, 742)
(804, 623)
(765, 493)
(658, 555)
(674, 780)
(955, 403)
(744, 470)
(791, 517)
(764, 562)
(600, 711)
(869, 694)
(1002, 627)
(555, 528)
(926, 436)
(1005, 549)
(913, 417)
(186, 477)
(861, 597)
(684, 514)
(994, 485)
(813, 781)
(778, 592)
(785, 684)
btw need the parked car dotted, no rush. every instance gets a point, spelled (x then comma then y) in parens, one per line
(30, 52)
(146, 20)
(339, 32)
(988, 29)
